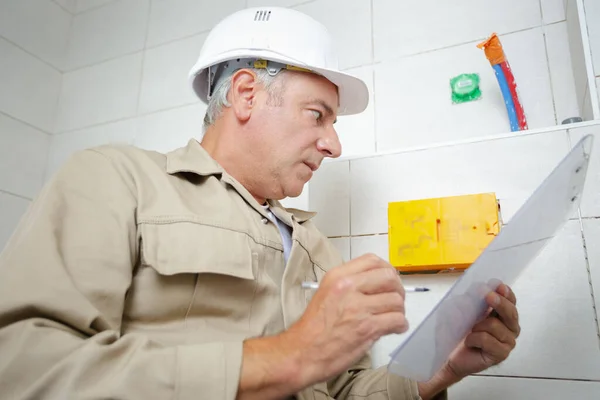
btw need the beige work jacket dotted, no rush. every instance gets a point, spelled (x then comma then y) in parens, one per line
(137, 275)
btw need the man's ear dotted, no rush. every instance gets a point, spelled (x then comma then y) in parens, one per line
(244, 87)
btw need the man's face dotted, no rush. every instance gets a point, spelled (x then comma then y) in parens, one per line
(294, 132)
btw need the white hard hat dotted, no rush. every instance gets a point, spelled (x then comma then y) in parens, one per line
(274, 38)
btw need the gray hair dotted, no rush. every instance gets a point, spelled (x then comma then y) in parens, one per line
(219, 98)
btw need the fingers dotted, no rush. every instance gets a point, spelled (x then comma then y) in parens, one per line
(388, 323)
(489, 345)
(364, 263)
(498, 330)
(505, 291)
(384, 303)
(506, 310)
(379, 280)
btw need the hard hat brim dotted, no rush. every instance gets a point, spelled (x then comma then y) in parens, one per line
(352, 92)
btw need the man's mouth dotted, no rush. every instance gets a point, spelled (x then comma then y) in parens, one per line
(313, 167)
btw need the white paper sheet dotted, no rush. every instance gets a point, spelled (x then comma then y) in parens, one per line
(534, 225)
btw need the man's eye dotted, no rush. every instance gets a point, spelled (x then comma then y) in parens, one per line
(318, 115)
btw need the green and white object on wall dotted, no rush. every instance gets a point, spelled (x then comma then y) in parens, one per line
(465, 88)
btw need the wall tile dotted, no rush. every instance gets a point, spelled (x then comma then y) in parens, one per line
(329, 196)
(553, 289)
(376, 244)
(30, 87)
(39, 26)
(85, 5)
(409, 27)
(561, 71)
(343, 246)
(94, 40)
(101, 93)
(357, 132)
(592, 16)
(511, 167)
(63, 145)
(492, 388)
(167, 130)
(556, 280)
(165, 77)
(413, 105)
(590, 202)
(23, 153)
(553, 11)
(353, 40)
(12, 209)
(175, 19)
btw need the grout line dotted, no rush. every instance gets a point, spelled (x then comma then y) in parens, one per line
(546, 378)
(358, 235)
(549, 74)
(589, 275)
(95, 7)
(113, 121)
(374, 105)
(473, 41)
(141, 78)
(372, 32)
(137, 115)
(15, 195)
(63, 7)
(393, 59)
(62, 79)
(25, 123)
(350, 207)
(144, 48)
(302, 3)
(31, 54)
(103, 61)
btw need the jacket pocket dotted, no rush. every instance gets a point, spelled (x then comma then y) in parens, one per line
(188, 247)
(197, 273)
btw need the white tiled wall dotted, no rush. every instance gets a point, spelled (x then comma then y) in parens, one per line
(523, 389)
(40, 27)
(555, 298)
(33, 44)
(93, 40)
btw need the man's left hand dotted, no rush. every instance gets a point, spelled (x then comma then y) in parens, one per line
(489, 343)
(491, 340)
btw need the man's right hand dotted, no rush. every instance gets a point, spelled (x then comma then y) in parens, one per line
(356, 304)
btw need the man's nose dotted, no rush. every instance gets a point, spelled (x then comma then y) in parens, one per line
(329, 144)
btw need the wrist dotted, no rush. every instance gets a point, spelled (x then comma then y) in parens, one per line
(442, 380)
(271, 368)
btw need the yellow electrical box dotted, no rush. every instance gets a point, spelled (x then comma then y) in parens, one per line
(440, 234)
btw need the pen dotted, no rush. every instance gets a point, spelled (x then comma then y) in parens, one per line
(315, 286)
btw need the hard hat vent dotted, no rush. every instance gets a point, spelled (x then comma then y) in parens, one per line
(262, 15)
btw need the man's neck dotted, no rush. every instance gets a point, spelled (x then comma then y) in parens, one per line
(214, 142)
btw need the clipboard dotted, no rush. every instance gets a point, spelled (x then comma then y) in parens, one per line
(533, 226)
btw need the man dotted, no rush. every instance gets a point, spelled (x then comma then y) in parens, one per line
(141, 275)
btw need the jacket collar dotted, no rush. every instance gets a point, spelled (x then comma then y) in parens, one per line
(195, 159)
(192, 158)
